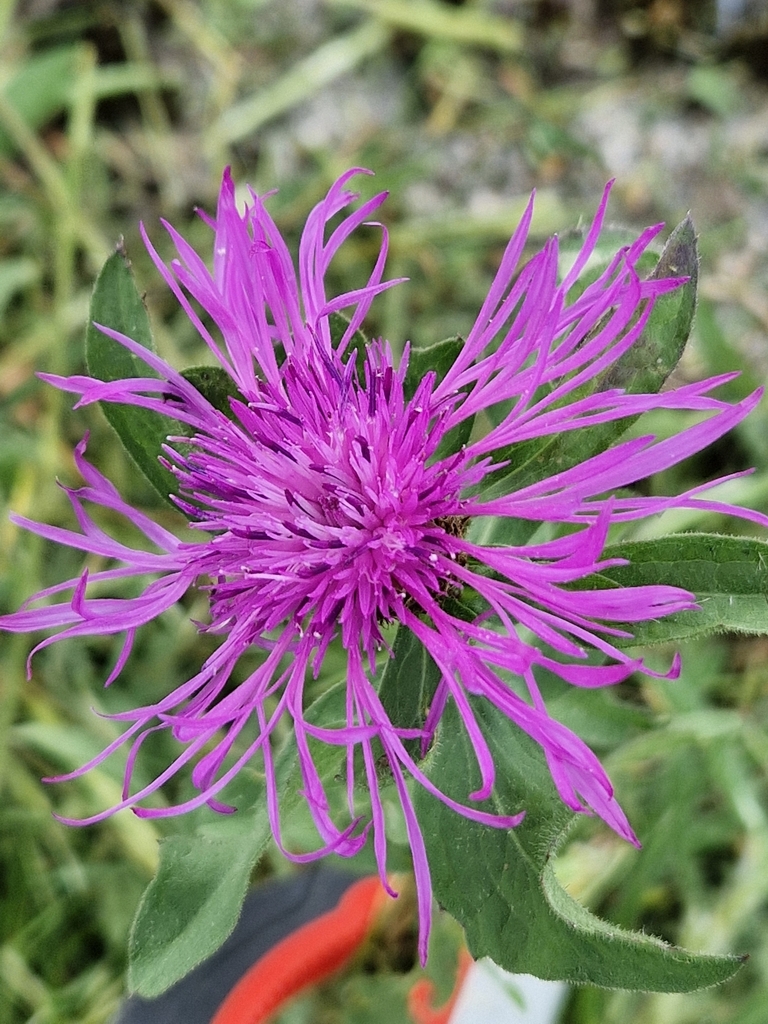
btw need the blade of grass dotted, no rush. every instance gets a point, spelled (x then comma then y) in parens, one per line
(437, 20)
(328, 62)
(53, 182)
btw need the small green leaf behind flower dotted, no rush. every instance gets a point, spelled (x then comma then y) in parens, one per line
(642, 369)
(728, 575)
(116, 303)
(214, 384)
(438, 359)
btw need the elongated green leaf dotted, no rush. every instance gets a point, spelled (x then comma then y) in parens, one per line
(116, 303)
(728, 575)
(641, 370)
(194, 901)
(501, 887)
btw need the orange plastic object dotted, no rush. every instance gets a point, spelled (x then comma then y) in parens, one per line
(305, 957)
(420, 997)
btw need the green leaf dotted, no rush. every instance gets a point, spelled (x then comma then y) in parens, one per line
(338, 324)
(214, 384)
(501, 886)
(116, 303)
(728, 575)
(408, 682)
(641, 370)
(501, 531)
(194, 901)
(648, 363)
(438, 359)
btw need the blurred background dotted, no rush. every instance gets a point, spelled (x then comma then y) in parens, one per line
(112, 113)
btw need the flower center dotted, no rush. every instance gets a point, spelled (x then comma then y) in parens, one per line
(326, 507)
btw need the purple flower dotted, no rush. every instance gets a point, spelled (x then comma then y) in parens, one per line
(322, 511)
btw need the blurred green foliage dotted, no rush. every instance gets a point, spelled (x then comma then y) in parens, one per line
(112, 113)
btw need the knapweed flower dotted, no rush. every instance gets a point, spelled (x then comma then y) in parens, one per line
(324, 510)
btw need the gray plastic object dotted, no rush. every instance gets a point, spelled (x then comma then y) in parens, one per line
(270, 913)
